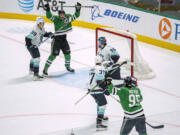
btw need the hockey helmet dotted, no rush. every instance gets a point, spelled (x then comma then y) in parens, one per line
(102, 42)
(61, 12)
(98, 59)
(130, 81)
(40, 20)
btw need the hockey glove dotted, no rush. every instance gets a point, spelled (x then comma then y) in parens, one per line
(106, 92)
(28, 42)
(49, 34)
(46, 7)
(78, 7)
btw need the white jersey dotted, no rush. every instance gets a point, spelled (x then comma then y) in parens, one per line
(96, 74)
(36, 35)
(107, 52)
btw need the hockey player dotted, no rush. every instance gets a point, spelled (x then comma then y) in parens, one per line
(110, 57)
(130, 99)
(97, 76)
(62, 25)
(32, 42)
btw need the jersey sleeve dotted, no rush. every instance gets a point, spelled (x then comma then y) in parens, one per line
(32, 35)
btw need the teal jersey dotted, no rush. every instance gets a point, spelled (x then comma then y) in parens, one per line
(130, 99)
(62, 26)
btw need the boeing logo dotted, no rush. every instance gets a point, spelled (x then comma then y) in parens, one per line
(95, 12)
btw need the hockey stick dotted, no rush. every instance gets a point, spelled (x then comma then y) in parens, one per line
(124, 62)
(81, 6)
(154, 127)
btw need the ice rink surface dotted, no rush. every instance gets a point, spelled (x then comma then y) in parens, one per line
(47, 107)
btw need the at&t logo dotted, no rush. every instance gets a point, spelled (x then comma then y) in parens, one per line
(26, 5)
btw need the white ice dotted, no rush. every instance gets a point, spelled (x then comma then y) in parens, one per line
(47, 107)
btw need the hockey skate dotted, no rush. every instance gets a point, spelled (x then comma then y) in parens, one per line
(100, 126)
(45, 74)
(37, 77)
(70, 69)
(105, 120)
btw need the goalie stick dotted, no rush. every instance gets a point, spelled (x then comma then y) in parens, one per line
(154, 127)
(114, 69)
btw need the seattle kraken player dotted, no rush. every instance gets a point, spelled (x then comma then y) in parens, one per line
(110, 57)
(97, 77)
(32, 42)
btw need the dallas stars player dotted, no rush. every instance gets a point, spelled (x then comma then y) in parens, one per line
(130, 98)
(62, 25)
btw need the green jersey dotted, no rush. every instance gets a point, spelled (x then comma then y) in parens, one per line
(62, 26)
(130, 99)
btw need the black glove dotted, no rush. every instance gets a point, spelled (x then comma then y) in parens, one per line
(28, 42)
(46, 7)
(106, 92)
(78, 7)
(49, 34)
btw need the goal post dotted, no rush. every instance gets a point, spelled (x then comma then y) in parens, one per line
(126, 44)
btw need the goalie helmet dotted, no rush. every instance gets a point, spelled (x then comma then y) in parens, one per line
(102, 42)
(130, 82)
(39, 20)
(98, 60)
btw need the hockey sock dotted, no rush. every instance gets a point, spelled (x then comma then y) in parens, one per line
(31, 66)
(67, 60)
(49, 62)
(36, 65)
(101, 111)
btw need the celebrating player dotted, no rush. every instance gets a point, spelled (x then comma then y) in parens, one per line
(110, 57)
(97, 76)
(130, 99)
(62, 25)
(32, 42)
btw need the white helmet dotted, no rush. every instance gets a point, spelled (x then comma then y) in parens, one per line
(39, 20)
(98, 59)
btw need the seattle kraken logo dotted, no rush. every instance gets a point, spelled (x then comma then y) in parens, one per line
(26, 5)
(95, 12)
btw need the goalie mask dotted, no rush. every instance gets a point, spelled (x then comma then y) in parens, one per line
(102, 42)
(130, 82)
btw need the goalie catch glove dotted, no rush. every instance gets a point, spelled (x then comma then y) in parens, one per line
(46, 7)
(78, 7)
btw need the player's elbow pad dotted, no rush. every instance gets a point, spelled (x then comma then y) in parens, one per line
(28, 41)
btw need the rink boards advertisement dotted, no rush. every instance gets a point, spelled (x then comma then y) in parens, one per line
(153, 26)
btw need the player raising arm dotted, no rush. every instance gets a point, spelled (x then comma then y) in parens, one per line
(33, 40)
(62, 25)
(130, 99)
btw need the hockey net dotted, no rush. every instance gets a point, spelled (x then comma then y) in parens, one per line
(126, 45)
